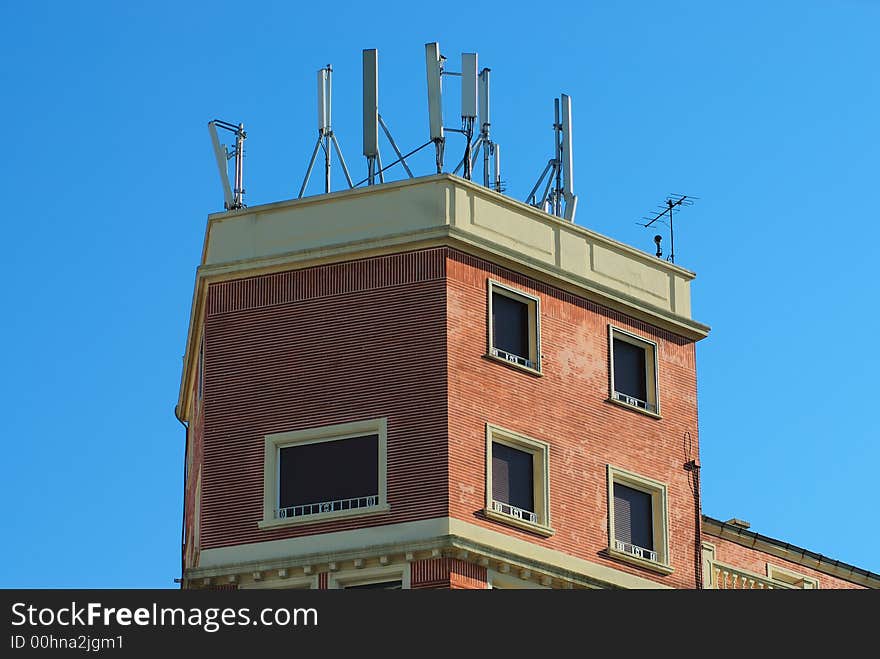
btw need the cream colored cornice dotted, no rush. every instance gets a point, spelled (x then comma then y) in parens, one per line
(440, 210)
(442, 536)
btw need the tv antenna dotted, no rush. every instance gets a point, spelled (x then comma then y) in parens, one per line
(558, 198)
(672, 201)
(326, 136)
(491, 150)
(232, 196)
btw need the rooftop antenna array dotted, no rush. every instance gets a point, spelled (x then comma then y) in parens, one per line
(557, 179)
(491, 150)
(667, 208)
(558, 197)
(232, 197)
(326, 136)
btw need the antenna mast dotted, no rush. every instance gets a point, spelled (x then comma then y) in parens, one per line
(491, 150)
(232, 197)
(326, 136)
(434, 70)
(372, 121)
(668, 207)
(558, 197)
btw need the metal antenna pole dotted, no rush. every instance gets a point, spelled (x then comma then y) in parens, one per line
(394, 146)
(557, 133)
(341, 160)
(486, 156)
(468, 128)
(381, 175)
(496, 148)
(671, 233)
(531, 198)
(239, 166)
(311, 165)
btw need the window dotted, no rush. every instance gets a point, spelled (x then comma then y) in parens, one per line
(637, 520)
(389, 577)
(793, 579)
(514, 327)
(517, 480)
(328, 472)
(633, 371)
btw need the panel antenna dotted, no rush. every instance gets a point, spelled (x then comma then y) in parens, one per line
(232, 197)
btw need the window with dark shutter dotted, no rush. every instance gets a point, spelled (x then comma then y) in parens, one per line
(328, 476)
(510, 325)
(629, 370)
(633, 519)
(513, 477)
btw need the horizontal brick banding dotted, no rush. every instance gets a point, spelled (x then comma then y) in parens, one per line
(567, 408)
(326, 281)
(330, 344)
(447, 573)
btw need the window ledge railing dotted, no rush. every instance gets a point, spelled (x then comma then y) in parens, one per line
(327, 507)
(727, 577)
(513, 359)
(513, 511)
(635, 402)
(635, 550)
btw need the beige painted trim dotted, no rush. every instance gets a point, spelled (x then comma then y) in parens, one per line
(500, 581)
(540, 452)
(792, 578)
(451, 192)
(708, 557)
(652, 368)
(276, 583)
(275, 442)
(659, 514)
(533, 304)
(521, 553)
(345, 578)
(393, 539)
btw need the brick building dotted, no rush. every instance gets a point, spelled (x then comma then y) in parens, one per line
(427, 384)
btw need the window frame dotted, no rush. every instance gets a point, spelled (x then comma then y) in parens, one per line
(360, 576)
(533, 304)
(540, 452)
(652, 370)
(791, 578)
(659, 518)
(271, 468)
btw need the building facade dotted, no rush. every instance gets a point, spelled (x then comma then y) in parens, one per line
(426, 384)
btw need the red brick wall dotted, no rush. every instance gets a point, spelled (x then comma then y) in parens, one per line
(316, 347)
(753, 560)
(566, 408)
(367, 339)
(451, 573)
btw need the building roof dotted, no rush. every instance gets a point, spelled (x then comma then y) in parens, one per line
(786, 550)
(441, 209)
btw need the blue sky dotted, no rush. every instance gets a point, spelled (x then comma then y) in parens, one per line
(765, 110)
